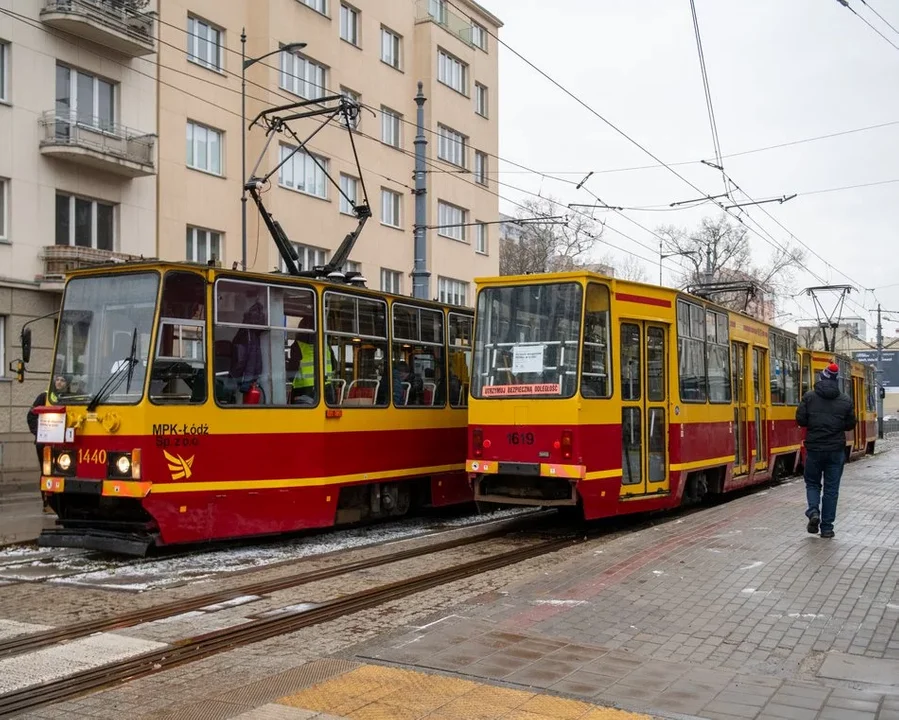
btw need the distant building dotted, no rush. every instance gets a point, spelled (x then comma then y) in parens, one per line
(509, 229)
(850, 335)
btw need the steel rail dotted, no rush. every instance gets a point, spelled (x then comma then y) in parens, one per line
(203, 646)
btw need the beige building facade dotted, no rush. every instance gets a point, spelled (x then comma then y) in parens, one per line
(77, 174)
(375, 50)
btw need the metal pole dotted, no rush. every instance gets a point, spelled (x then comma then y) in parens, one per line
(879, 384)
(660, 262)
(243, 148)
(420, 276)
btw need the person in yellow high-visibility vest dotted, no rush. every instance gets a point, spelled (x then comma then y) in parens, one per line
(302, 360)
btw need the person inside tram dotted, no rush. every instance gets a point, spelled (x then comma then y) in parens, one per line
(402, 373)
(246, 349)
(300, 365)
(60, 388)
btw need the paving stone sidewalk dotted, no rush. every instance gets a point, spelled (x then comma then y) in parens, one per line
(731, 612)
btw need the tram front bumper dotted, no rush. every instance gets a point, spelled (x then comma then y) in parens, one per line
(515, 483)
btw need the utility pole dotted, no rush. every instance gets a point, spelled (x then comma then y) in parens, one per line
(421, 283)
(879, 383)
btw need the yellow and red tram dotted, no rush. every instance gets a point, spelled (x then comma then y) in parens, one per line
(620, 397)
(205, 404)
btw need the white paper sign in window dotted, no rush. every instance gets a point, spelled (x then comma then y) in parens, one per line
(527, 358)
(51, 428)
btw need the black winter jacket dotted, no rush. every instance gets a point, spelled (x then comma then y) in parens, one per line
(827, 414)
(32, 415)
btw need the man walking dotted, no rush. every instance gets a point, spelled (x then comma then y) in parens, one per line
(827, 414)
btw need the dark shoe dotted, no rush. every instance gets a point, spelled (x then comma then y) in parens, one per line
(827, 534)
(814, 522)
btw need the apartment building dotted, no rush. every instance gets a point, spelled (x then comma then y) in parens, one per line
(376, 51)
(77, 173)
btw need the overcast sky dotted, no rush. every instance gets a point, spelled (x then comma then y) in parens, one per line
(779, 71)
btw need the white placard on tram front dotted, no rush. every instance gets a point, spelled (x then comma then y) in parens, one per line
(51, 428)
(527, 358)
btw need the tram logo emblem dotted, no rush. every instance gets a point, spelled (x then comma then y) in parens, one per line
(178, 466)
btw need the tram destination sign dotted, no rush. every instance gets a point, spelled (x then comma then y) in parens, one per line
(890, 366)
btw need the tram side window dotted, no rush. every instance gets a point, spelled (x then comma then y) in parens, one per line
(785, 383)
(595, 371)
(419, 373)
(459, 357)
(265, 342)
(791, 371)
(356, 335)
(806, 384)
(179, 368)
(718, 337)
(691, 333)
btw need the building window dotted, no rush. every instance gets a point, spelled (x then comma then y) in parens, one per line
(451, 221)
(480, 167)
(452, 72)
(4, 209)
(301, 76)
(317, 5)
(480, 99)
(308, 257)
(452, 292)
(355, 97)
(4, 71)
(480, 237)
(478, 36)
(204, 148)
(84, 223)
(349, 24)
(392, 281)
(390, 208)
(390, 127)
(2, 345)
(203, 245)
(349, 192)
(351, 266)
(451, 146)
(303, 172)
(204, 43)
(390, 48)
(84, 98)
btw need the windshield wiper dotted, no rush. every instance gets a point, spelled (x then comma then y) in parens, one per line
(114, 380)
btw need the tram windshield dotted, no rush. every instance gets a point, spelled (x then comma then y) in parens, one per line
(104, 331)
(526, 342)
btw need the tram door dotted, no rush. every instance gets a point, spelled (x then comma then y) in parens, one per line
(859, 398)
(760, 406)
(644, 407)
(742, 443)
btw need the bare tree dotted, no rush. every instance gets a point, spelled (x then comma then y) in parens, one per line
(718, 251)
(631, 269)
(551, 246)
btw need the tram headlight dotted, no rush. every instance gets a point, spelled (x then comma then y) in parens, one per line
(64, 461)
(123, 465)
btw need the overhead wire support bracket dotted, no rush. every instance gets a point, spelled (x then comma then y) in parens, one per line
(781, 200)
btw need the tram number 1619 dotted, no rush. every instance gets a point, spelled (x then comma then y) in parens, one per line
(520, 438)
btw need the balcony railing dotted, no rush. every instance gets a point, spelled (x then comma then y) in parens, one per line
(98, 143)
(438, 12)
(61, 259)
(118, 24)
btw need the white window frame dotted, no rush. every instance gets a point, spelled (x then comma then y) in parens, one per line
(74, 72)
(208, 236)
(451, 215)
(396, 208)
(199, 29)
(481, 239)
(94, 203)
(320, 6)
(449, 75)
(309, 256)
(348, 182)
(290, 169)
(391, 127)
(192, 128)
(347, 13)
(357, 97)
(4, 209)
(452, 146)
(450, 290)
(391, 281)
(394, 57)
(481, 100)
(4, 71)
(351, 266)
(480, 167)
(479, 31)
(2, 345)
(294, 77)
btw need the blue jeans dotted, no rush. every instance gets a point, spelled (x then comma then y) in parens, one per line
(828, 463)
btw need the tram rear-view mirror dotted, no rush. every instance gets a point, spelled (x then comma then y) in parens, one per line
(26, 344)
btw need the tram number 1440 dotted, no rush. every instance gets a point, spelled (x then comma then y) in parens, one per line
(520, 438)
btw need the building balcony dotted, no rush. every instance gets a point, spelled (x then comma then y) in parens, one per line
(61, 259)
(98, 144)
(438, 12)
(117, 24)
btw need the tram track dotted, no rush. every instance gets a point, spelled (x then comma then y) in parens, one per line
(212, 643)
(35, 641)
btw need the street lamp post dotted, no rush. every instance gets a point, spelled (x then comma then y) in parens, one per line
(246, 62)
